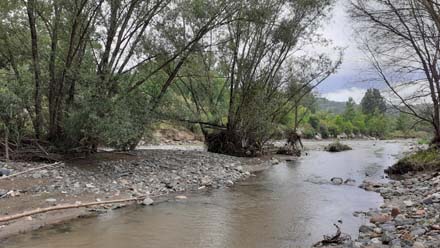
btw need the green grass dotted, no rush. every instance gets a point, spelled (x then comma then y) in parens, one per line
(423, 141)
(427, 160)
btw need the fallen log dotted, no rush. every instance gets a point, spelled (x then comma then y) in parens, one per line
(30, 170)
(70, 206)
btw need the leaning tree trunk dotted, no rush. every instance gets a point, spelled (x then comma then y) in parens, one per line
(436, 140)
(38, 123)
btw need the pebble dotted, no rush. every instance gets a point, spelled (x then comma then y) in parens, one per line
(147, 201)
(337, 180)
(382, 218)
(395, 212)
(408, 203)
(418, 245)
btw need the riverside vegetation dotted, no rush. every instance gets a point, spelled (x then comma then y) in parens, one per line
(227, 70)
(78, 76)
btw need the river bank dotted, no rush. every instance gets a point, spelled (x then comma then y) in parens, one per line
(410, 215)
(290, 205)
(113, 176)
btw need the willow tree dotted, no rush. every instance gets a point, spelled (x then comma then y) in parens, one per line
(101, 68)
(239, 88)
(402, 41)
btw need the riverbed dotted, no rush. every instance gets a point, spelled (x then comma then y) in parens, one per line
(290, 205)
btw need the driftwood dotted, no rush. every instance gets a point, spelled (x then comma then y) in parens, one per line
(338, 238)
(70, 206)
(30, 170)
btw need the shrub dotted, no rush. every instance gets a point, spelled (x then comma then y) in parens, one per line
(337, 147)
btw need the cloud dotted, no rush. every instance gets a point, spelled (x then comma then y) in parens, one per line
(413, 93)
(342, 95)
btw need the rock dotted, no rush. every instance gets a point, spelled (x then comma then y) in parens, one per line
(229, 183)
(388, 227)
(147, 201)
(387, 237)
(337, 180)
(409, 203)
(376, 241)
(434, 198)
(275, 161)
(350, 181)
(418, 232)
(37, 175)
(367, 228)
(418, 245)
(4, 172)
(40, 174)
(239, 168)
(435, 227)
(90, 185)
(382, 218)
(420, 212)
(428, 200)
(400, 220)
(396, 243)
(377, 230)
(206, 181)
(395, 212)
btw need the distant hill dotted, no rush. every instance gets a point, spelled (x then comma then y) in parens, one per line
(324, 104)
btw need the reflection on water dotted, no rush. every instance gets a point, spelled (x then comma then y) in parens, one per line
(278, 208)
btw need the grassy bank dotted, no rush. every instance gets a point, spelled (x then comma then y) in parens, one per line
(426, 160)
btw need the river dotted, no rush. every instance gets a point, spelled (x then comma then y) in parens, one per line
(289, 205)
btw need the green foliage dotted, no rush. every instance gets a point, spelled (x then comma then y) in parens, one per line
(351, 122)
(337, 147)
(117, 124)
(426, 160)
(373, 102)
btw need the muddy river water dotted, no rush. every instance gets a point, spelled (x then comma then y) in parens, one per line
(289, 205)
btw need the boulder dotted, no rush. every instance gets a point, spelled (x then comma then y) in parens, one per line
(4, 172)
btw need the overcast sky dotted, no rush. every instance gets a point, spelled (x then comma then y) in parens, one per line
(351, 79)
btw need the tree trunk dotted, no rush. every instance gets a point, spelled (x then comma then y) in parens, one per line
(38, 122)
(53, 79)
(7, 144)
(296, 119)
